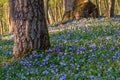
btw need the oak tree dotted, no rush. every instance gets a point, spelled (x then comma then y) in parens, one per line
(27, 19)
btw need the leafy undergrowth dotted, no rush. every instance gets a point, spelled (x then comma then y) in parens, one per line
(88, 49)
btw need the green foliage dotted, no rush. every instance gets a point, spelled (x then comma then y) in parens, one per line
(89, 51)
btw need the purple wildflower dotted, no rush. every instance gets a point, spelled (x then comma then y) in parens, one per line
(62, 76)
(110, 69)
(118, 56)
(118, 31)
(62, 64)
(93, 46)
(72, 65)
(82, 48)
(45, 72)
(91, 76)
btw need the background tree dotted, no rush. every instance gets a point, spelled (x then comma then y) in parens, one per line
(30, 29)
(46, 5)
(4, 15)
(111, 8)
(55, 9)
(68, 12)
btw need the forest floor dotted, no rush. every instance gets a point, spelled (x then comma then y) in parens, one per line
(88, 49)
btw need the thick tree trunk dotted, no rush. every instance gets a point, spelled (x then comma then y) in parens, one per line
(30, 29)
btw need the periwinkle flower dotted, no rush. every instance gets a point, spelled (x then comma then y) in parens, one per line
(110, 69)
(52, 71)
(82, 48)
(7, 52)
(118, 56)
(45, 72)
(93, 46)
(112, 48)
(113, 57)
(72, 65)
(62, 64)
(22, 77)
(35, 55)
(58, 58)
(62, 76)
(74, 47)
(57, 48)
(56, 70)
(52, 65)
(101, 46)
(91, 76)
(118, 31)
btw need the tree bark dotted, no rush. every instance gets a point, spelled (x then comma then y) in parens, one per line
(1, 27)
(97, 4)
(30, 29)
(111, 8)
(118, 1)
(46, 10)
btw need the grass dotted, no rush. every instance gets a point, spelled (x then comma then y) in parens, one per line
(88, 49)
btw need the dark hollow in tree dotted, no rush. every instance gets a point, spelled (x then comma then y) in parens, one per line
(86, 10)
(30, 31)
(80, 9)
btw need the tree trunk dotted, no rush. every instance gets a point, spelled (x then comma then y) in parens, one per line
(118, 1)
(111, 8)
(1, 27)
(30, 29)
(97, 4)
(46, 11)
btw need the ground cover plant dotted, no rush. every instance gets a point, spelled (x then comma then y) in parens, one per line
(88, 49)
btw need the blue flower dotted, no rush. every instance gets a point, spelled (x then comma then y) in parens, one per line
(93, 46)
(62, 64)
(110, 69)
(45, 72)
(91, 76)
(118, 56)
(62, 76)
(118, 31)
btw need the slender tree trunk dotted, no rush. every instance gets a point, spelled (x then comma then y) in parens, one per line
(59, 10)
(51, 13)
(97, 4)
(118, 1)
(30, 29)
(1, 27)
(46, 11)
(111, 8)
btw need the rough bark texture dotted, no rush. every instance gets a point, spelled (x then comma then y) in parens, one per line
(27, 17)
